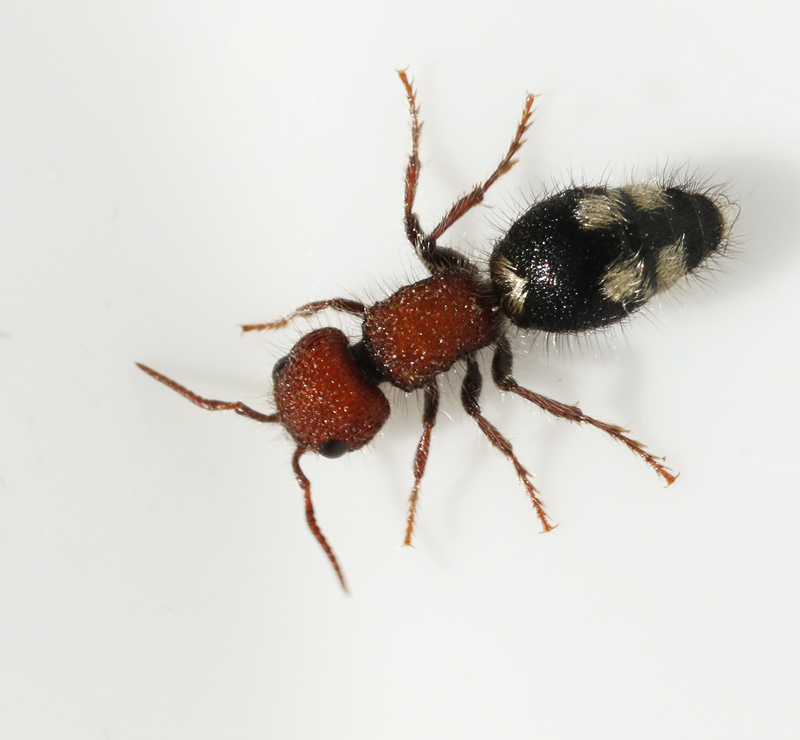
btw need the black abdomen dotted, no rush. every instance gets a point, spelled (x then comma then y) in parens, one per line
(588, 257)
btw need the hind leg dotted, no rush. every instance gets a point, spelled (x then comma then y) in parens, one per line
(501, 373)
(438, 258)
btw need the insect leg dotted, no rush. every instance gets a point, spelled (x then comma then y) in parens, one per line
(475, 196)
(501, 373)
(305, 484)
(421, 457)
(470, 393)
(207, 403)
(434, 257)
(345, 305)
(412, 226)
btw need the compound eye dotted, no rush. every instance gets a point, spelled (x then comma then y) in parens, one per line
(279, 365)
(333, 448)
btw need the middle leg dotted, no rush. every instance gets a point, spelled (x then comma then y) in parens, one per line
(421, 456)
(434, 257)
(470, 393)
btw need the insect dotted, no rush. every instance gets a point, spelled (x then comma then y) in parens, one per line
(577, 261)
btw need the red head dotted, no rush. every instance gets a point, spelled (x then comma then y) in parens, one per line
(322, 397)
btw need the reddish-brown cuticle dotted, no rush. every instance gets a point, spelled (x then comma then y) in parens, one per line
(423, 329)
(327, 391)
(322, 397)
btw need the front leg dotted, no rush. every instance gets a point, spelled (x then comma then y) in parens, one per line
(345, 305)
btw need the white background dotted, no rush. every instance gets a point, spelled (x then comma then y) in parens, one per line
(169, 170)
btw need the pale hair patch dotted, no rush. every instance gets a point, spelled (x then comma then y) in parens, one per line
(648, 196)
(513, 293)
(670, 264)
(624, 281)
(599, 211)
